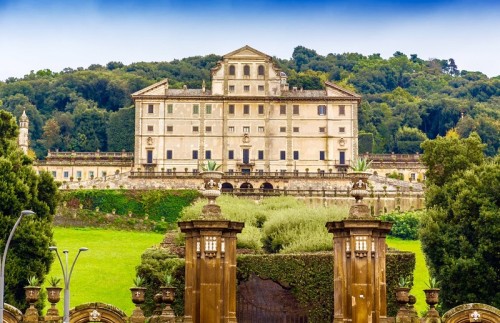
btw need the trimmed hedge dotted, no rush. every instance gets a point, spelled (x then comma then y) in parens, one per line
(405, 225)
(158, 204)
(309, 276)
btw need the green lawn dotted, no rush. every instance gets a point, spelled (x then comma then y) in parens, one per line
(104, 273)
(421, 273)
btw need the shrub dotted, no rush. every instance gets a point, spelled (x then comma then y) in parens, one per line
(405, 225)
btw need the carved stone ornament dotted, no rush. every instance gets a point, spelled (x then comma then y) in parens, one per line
(246, 138)
(95, 316)
(341, 142)
(149, 141)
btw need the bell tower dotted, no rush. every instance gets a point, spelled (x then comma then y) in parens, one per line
(23, 140)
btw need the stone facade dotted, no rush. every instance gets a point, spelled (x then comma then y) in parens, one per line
(249, 121)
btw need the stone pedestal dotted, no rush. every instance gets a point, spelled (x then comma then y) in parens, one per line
(359, 266)
(210, 294)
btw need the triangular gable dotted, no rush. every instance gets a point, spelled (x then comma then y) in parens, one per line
(246, 52)
(335, 90)
(154, 89)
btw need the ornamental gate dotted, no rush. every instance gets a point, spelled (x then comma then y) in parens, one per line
(261, 300)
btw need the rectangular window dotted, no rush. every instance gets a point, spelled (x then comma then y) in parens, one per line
(413, 176)
(321, 110)
(246, 109)
(195, 154)
(54, 174)
(322, 129)
(342, 157)
(149, 156)
(246, 129)
(169, 154)
(261, 109)
(170, 128)
(170, 108)
(246, 88)
(196, 128)
(208, 154)
(196, 109)
(295, 155)
(321, 155)
(296, 110)
(341, 110)
(208, 129)
(282, 155)
(260, 154)
(208, 109)
(103, 174)
(91, 174)
(295, 129)
(282, 109)
(261, 88)
(151, 108)
(231, 109)
(282, 129)
(341, 129)
(230, 129)
(260, 129)
(230, 154)
(150, 128)
(79, 174)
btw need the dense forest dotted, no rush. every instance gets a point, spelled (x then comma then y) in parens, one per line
(405, 99)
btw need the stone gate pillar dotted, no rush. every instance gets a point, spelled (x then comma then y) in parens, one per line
(210, 277)
(359, 262)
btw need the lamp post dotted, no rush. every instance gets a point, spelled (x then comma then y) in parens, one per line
(67, 277)
(4, 256)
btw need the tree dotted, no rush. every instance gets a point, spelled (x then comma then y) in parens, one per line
(120, 130)
(408, 140)
(21, 188)
(460, 232)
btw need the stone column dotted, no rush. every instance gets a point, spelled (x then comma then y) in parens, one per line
(359, 266)
(210, 278)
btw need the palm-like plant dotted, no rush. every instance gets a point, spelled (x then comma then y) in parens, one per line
(211, 166)
(361, 164)
(404, 282)
(433, 283)
(33, 281)
(54, 281)
(138, 281)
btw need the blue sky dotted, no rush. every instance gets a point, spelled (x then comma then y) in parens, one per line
(44, 34)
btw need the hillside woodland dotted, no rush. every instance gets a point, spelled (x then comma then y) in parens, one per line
(406, 99)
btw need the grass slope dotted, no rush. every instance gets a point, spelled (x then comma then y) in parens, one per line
(421, 273)
(104, 273)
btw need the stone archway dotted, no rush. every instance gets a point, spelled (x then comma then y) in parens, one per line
(92, 312)
(11, 314)
(473, 312)
(227, 187)
(246, 187)
(266, 187)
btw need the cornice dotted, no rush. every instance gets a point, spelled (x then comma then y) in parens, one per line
(222, 98)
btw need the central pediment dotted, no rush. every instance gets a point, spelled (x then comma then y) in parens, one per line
(246, 52)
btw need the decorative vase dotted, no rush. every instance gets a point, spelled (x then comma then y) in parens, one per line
(53, 296)
(211, 191)
(432, 298)
(402, 296)
(138, 295)
(168, 295)
(32, 294)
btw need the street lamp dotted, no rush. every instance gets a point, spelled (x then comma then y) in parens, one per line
(67, 277)
(4, 256)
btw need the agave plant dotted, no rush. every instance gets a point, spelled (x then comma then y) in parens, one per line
(211, 166)
(361, 164)
(404, 282)
(33, 281)
(433, 283)
(168, 279)
(138, 281)
(54, 281)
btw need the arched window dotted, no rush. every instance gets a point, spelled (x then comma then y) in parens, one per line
(261, 70)
(232, 70)
(246, 70)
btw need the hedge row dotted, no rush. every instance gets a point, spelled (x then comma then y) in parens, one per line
(309, 276)
(404, 225)
(157, 204)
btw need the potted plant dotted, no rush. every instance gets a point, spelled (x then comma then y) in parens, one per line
(168, 294)
(402, 291)
(138, 290)
(432, 293)
(53, 295)
(211, 178)
(360, 167)
(32, 291)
